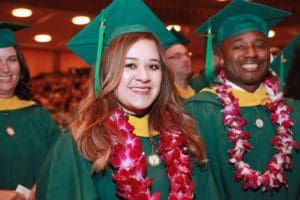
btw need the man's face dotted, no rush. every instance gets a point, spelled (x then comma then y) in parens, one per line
(179, 59)
(246, 59)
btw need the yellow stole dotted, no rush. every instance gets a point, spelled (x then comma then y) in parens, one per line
(247, 99)
(185, 93)
(141, 125)
(14, 103)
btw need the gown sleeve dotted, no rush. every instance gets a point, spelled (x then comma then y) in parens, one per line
(65, 174)
(205, 185)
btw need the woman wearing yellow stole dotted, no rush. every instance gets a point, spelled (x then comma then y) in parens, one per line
(132, 140)
(27, 130)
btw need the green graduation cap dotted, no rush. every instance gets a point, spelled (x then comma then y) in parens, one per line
(238, 17)
(282, 63)
(180, 38)
(120, 17)
(7, 36)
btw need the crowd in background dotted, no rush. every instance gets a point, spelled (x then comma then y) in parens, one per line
(60, 92)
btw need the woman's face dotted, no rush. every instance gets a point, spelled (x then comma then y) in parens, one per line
(9, 71)
(141, 78)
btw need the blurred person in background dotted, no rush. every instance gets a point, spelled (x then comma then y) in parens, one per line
(180, 64)
(27, 130)
(287, 66)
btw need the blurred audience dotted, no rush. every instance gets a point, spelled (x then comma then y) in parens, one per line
(60, 92)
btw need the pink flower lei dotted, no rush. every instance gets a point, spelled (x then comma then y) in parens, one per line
(282, 141)
(130, 162)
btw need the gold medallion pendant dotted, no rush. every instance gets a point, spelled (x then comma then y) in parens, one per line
(10, 131)
(153, 160)
(259, 123)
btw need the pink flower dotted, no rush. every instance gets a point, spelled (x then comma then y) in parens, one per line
(265, 180)
(130, 162)
(251, 180)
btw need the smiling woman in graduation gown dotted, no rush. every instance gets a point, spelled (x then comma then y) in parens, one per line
(27, 130)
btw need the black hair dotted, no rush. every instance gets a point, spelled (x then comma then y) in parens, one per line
(22, 89)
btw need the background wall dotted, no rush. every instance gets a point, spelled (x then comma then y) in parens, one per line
(47, 61)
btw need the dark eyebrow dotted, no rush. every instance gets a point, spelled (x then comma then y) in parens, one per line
(155, 60)
(152, 59)
(237, 40)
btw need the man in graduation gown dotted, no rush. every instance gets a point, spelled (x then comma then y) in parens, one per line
(250, 132)
(286, 65)
(180, 64)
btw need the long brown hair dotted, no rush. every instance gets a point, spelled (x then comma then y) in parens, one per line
(90, 129)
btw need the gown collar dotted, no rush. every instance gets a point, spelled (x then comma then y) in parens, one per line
(14, 103)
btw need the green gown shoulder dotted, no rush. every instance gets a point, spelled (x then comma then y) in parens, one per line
(205, 108)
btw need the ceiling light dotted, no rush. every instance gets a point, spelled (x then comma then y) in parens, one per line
(271, 33)
(176, 27)
(21, 12)
(42, 38)
(81, 20)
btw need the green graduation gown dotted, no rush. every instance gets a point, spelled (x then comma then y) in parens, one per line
(67, 175)
(205, 107)
(22, 155)
(199, 82)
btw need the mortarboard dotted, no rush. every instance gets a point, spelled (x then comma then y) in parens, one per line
(120, 17)
(238, 17)
(7, 36)
(180, 38)
(282, 63)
